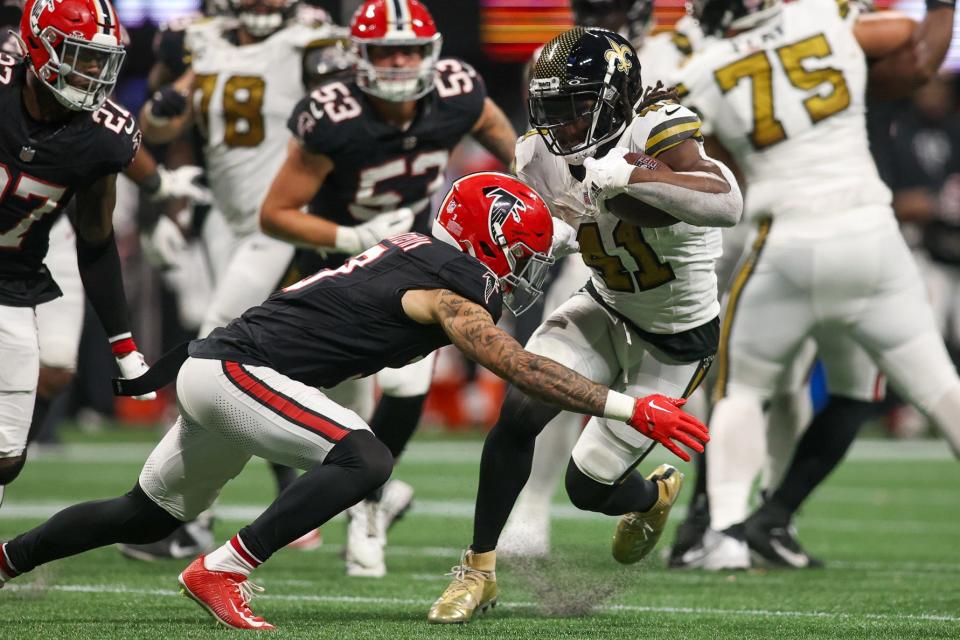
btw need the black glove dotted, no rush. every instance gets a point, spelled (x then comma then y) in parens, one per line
(167, 103)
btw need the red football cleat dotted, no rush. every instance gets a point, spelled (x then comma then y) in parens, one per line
(226, 596)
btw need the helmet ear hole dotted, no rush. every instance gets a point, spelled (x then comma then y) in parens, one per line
(487, 249)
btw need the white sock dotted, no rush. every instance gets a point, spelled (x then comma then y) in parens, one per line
(735, 457)
(232, 557)
(787, 419)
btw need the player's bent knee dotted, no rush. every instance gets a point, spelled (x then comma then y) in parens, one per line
(585, 492)
(522, 417)
(11, 467)
(365, 453)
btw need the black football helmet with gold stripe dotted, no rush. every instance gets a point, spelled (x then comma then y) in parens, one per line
(583, 91)
(717, 16)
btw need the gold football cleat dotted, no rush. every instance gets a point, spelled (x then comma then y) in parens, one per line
(638, 531)
(473, 589)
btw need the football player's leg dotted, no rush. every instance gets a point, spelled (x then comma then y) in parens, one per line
(19, 366)
(60, 323)
(897, 326)
(254, 272)
(577, 335)
(600, 475)
(527, 532)
(788, 415)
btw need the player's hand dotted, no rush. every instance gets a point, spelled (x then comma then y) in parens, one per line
(167, 103)
(165, 245)
(133, 365)
(660, 418)
(353, 240)
(610, 173)
(182, 182)
(564, 240)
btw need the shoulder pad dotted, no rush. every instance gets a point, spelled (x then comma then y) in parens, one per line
(668, 123)
(121, 135)
(456, 79)
(321, 120)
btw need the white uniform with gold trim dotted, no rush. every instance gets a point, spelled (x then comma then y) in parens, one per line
(827, 260)
(647, 286)
(242, 98)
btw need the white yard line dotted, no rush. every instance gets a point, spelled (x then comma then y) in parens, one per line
(459, 452)
(412, 602)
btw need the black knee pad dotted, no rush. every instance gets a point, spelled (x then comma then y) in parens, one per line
(10, 468)
(362, 451)
(522, 417)
(585, 493)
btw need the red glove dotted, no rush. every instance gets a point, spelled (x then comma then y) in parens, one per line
(660, 418)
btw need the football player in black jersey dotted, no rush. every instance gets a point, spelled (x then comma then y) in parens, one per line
(253, 388)
(59, 137)
(366, 156)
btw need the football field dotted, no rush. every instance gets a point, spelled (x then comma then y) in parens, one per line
(887, 524)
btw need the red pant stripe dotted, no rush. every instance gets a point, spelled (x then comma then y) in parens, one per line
(282, 405)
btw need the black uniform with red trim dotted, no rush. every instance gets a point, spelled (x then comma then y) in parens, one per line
(349, 322)
(377, 167)
(42, 165)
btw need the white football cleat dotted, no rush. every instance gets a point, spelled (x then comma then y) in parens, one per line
(527, 534)
(369, 522)
(718, 551)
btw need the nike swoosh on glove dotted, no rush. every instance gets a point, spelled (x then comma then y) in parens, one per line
(660, 418)
(133, 365)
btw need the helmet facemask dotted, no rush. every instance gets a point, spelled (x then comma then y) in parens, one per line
(80, 73)
(397, 84)
(523, 286)
(263, 18)
(575, 121)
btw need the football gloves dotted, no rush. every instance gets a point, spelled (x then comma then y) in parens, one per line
(164, 246)
(130, 360)
(353, 240)
(661, 419)
(182, 182)
(167, 103)
(605, 177)
(564, 240)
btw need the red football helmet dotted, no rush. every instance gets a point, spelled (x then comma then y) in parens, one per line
(261, 18)
(75, 48)
(504, 224)
(382, 26)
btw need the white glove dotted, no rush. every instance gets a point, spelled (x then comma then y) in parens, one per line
(607, 176)
(132, 365)
(353, 240)
(182, 182)
(564, 240)
(164, 247)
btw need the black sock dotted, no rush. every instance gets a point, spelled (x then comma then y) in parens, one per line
(395, 420)
(132, 518)
(634, 493)
(354, 467)
(283, 475)
(821, 449)
(505, 464)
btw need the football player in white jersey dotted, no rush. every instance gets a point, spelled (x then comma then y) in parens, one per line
(784, 88)
(648, 318)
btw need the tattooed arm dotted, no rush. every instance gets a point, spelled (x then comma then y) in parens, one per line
(473, 331)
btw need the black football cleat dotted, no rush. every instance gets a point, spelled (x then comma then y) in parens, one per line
(770, 535)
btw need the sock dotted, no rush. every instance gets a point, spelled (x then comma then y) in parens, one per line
(634, 493)
(232, 557)
(735, 457)
(7, 570)
(821, 449)
(395, 419)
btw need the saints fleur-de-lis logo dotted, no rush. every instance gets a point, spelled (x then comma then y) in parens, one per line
(618, 52)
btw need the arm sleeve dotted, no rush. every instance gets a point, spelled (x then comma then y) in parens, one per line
(100, 272)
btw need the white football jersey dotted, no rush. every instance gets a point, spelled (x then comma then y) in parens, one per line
(662, 54)
(662, 279)
(242, 98)
(787, 100)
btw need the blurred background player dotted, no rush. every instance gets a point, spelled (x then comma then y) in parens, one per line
(814, 54)
(241, 76)
(647, 322)
(366, 156)
(56, 106)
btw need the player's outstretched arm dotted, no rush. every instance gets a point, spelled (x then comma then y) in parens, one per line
(691, 187)
(167, 114)
(494, 131)
(905, 55)
(99, 265)
(471, 328)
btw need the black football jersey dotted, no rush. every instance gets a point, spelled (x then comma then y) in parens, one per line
(377, 167)
(349, 322)
(42, 165)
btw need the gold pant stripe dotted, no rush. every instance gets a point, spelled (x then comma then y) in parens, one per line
(726, 327)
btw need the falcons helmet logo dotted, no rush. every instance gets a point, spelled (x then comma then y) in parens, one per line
(504, 205)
